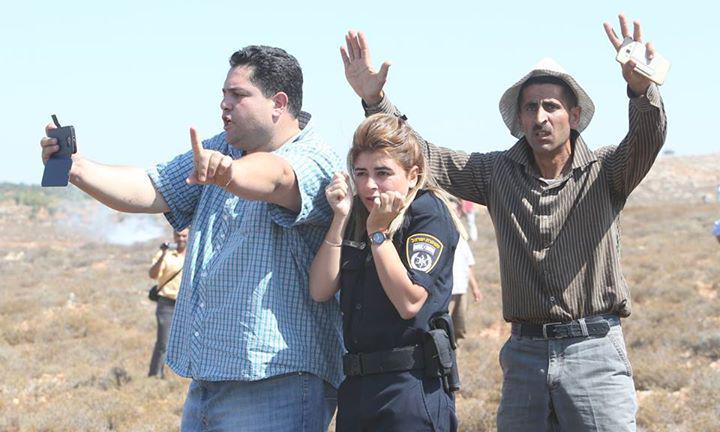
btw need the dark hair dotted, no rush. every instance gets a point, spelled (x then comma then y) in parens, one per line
(568, 93)
(273, 71)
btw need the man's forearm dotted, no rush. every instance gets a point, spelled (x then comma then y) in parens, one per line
(125, 189)
(265, 177)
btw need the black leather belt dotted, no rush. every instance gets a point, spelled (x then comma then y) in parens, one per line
(395, 360)
(597, 325)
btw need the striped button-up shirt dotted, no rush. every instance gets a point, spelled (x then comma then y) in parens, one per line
(244, 311)
(558, 241)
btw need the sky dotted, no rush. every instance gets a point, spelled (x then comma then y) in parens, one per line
(133, 76)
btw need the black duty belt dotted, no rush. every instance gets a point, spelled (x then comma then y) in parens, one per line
(395, 360)
(597, 325)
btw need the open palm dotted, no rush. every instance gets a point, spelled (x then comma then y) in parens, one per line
(364, 80)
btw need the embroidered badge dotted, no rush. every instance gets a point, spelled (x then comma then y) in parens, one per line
(423, 252)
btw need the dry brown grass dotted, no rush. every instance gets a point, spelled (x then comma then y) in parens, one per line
(78, 361)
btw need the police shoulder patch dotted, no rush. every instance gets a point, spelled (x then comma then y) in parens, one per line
(423, 251)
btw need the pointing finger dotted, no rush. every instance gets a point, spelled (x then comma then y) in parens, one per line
(195, 142)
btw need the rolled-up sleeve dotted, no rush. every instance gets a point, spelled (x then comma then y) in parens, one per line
(313, 169)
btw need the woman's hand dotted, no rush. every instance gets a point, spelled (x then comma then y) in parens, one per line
(339, 194)
(385, 210)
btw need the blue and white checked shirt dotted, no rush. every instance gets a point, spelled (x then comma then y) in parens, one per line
(244, 311)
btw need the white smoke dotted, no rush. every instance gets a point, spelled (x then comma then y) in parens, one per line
(92, 219)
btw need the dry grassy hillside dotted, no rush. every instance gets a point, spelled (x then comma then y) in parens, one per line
(687, 179)
(76, 330)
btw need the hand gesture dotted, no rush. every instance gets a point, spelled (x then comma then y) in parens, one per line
(359, 72)
(339, 194)
(637, 83)
(386, 208)
(211, 167)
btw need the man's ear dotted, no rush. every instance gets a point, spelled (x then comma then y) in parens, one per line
(575, 117)
(280, 103)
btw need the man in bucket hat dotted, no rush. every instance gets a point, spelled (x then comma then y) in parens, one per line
(554, 203)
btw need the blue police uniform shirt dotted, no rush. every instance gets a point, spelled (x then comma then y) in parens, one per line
(244, 311)
(426, 243)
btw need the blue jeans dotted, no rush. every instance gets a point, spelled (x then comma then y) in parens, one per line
(574, 384)
(295, 402)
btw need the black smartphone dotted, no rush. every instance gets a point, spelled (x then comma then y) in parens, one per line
(65, 135)
(57, 169)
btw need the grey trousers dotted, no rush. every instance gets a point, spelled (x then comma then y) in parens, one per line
(163, 314)
(573, 385)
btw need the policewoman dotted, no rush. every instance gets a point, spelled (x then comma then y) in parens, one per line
(389, 251)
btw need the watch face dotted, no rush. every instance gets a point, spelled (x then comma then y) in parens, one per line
(377, 237)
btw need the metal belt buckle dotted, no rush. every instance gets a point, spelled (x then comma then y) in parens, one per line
(545, 329)
(353, 363)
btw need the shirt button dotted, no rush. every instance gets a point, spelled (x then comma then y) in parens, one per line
(197, 334)
(202, 305)
(552, 299)
(203, 274)
(358, 306)
(355, 340)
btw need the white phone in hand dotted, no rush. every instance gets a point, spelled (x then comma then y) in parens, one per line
(656, 69)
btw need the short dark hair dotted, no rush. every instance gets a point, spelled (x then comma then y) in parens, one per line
(274, 70)
(568, 93)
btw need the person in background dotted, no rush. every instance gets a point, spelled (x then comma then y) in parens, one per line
(167, 270)
(463, 277)
(469, 209)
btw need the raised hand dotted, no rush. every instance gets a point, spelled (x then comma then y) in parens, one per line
(367, 83)
(210, 166)
(339, 194)
(385, 210)
(637, 82)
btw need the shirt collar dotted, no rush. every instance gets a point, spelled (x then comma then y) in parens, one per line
(521, 154)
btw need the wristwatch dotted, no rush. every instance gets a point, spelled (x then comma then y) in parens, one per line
(378, 237)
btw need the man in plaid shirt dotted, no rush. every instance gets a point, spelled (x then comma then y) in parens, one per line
(261, 354)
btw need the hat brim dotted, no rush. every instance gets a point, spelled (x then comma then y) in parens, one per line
(509, 100)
